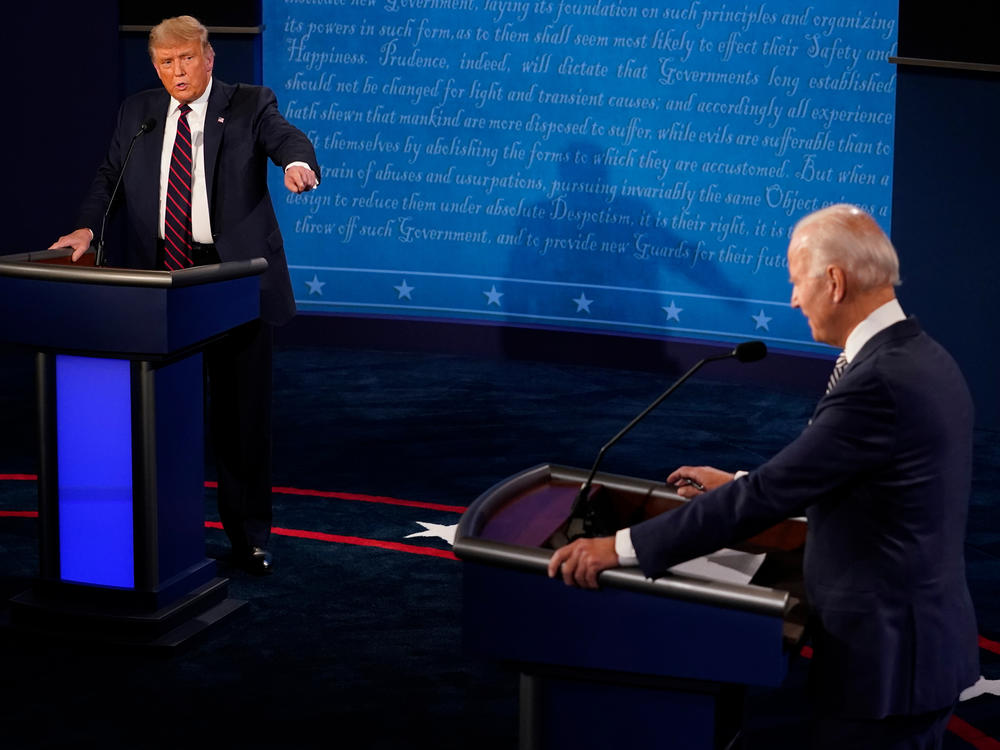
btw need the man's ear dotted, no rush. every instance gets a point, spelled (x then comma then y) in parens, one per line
(838, 283)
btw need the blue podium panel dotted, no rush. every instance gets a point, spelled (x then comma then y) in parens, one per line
(94, 439)
(527, 617)
(177, 447)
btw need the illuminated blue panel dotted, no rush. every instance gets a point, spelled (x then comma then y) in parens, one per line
(94, 424)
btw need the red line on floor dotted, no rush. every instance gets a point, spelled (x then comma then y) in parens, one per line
(370, 499)
(988, 645)
(361, 498)
(357, 541)
(18, 514)
(313, 493)
(970, 734)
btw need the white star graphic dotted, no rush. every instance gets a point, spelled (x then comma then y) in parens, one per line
(404, 290)
(673, 312)
(982, 687)
(315, 286)
(493, 296)
(582, 303)
(761, 320)
(436, 530)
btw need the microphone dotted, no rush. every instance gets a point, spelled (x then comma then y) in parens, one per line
(748, 351)
(148, 124)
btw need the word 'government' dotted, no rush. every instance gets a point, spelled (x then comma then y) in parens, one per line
(613, 134)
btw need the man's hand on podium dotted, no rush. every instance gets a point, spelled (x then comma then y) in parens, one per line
(79, 241)
(583, 560)
(693, 480)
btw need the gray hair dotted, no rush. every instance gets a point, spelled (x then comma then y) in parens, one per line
(847, 236)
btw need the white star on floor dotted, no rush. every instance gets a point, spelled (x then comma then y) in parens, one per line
(436, 530)
(315, 286)
(582, 303)
(673, 312)
(761, 320)
(983, 686)
(493, 296)
(404, 290)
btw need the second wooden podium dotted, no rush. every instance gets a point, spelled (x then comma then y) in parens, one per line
(641, 662)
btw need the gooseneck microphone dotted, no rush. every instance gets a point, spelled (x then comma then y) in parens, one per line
(748, 351)
(148, 124)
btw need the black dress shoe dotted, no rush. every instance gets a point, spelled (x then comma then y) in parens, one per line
(258, 562)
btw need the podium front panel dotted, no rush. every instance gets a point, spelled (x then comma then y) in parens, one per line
(138, 321)
(94, 459)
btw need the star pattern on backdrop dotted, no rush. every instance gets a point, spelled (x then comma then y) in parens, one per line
(315, 286)
(441, 531)
(404, 290)
(761, 320)
(493, 296)
(584, 304)
(673, 312)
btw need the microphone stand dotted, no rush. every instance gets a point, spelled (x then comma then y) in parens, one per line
(146, 126)
(743, 352)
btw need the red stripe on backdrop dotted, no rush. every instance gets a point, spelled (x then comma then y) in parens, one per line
(357, 541)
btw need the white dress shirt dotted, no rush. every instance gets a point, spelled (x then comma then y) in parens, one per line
(879, 319)
(201, 225)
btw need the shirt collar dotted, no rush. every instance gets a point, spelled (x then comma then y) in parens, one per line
(199, 105)
(879, 319)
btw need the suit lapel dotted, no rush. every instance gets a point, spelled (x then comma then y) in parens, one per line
(902, 329)
(144, 165)
(215, 123)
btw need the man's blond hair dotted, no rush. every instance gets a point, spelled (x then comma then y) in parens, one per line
(171, 32)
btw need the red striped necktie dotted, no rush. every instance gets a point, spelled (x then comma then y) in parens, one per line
(177, 219)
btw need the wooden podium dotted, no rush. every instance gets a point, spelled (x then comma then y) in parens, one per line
(640, 662)
(121, 444)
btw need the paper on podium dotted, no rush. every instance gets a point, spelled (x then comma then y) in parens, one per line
(727, 565)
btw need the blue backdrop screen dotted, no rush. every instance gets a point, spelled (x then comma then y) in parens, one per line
(613, 165)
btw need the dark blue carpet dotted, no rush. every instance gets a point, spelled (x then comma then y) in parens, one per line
(360, 646)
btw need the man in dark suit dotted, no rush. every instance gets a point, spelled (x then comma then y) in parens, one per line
(224, 213)
(883, 473)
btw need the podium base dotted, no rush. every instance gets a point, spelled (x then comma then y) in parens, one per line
(42, 612)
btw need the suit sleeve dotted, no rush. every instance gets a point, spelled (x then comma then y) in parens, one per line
(852, 433)
(281, 141)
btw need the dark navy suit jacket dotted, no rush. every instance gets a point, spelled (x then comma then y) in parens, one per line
(243, 128)
(883, 473)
